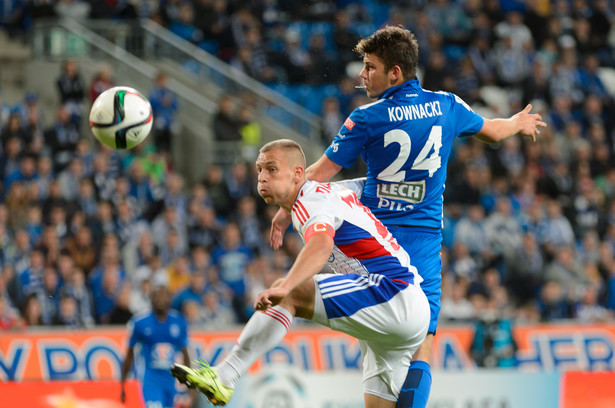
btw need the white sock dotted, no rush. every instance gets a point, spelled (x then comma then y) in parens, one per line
(263, 331)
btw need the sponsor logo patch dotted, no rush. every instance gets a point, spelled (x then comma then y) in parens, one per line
(349, 123)
(410, 191)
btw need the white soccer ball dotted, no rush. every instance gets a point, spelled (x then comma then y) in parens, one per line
(121, 117)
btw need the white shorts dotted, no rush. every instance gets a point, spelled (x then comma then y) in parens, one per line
(389, 317)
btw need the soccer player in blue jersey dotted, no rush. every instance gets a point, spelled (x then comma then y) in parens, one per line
(405, 137)
(375, 295)
(159, 335)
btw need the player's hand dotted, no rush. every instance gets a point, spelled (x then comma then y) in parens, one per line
(270, 297)
(530, 123)
(279, 224)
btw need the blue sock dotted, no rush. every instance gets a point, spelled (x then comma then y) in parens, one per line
(415, 391)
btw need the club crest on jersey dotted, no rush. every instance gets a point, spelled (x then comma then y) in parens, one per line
(410, 191)
(349, 124)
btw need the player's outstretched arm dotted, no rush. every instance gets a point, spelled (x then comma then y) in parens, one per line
(525, 123)
(309, 262)
(130, 354)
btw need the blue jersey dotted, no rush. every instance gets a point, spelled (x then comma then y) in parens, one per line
(406, 138)
(159, 341)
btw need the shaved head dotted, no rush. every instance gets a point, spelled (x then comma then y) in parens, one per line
(281, 172)
(292, 151)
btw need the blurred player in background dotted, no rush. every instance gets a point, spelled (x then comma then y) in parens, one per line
(375, 295)
(406, 137)
(158, 336)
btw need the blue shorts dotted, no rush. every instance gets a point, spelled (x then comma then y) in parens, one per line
(158, 389)
(424, 247)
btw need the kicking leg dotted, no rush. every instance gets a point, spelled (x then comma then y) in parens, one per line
(263, 331)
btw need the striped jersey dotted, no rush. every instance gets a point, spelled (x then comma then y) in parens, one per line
(363, 244)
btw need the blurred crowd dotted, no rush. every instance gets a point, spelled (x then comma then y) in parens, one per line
(86, 231)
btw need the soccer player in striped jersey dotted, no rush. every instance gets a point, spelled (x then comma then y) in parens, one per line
(375, 295)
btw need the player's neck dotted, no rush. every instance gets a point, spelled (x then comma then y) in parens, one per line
(161, 315)
(288, 206)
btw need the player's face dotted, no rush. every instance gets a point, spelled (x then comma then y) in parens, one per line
(275, 178)
(161, 300)
(375, 77)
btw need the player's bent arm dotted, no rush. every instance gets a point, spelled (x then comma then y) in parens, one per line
(524, 122)
(309, 262)
(322, 170)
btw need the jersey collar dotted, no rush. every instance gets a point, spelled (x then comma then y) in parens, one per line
(411, 84)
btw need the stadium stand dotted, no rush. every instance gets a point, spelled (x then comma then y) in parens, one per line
(529, 228)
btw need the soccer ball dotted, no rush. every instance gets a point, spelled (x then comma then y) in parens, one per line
(121, 117)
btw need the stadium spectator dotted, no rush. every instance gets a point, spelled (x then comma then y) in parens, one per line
(183, 25)
(121, 313)
(493, 344)
(251, 134)
(75, 287)
(105, 282)
(31, 311)
(204, 229)
(225, 124)
(164, 106)
(218, 190)
(194, 291)
(455, 304)
(215, 315)
(332, 119)
(72, 91)
(14, 130)
(62, 139)
(8, 319)
(67, 315)
(178, 273)
(470, 229)
(48, 295)
(101, 82)
(249, 224)
(231, 259)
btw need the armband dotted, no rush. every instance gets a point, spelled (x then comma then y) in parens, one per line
(318, 228)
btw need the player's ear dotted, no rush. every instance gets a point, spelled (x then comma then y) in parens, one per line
(298, 173)
(395, 74)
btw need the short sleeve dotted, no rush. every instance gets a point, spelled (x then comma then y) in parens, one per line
(467, 122)
(349, 141)
(317, 207)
